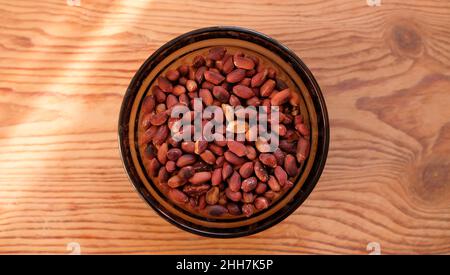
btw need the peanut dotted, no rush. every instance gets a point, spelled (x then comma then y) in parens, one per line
(212, 196)
(178, 196)
(186, 160)
(200, 177)
(236, 76)
(249, 184)
(237, 148)
(165, 85)
(244, 62)
(243, 91)
(246, 169)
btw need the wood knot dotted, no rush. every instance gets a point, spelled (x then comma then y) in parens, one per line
(406, 40)
(433, 181)
(21, 41)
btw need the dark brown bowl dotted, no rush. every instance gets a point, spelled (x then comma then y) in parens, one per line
(315, 114)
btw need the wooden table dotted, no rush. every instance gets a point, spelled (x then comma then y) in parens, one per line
(384, 71)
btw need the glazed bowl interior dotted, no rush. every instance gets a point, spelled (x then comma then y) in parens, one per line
(181, 51)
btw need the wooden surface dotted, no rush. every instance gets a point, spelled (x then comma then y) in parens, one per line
(384, 72)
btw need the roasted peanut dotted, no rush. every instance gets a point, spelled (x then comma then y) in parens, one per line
(165, 85)
(199, 74)
(260, 188)
(148, 104)
(178, 90)
(249, 184)
(217, 53)
(212, 196)
(271, 195)
(150, 151)
(198, 61)
(280, 175)
(246, 169)
(234, 196)
(290, 165)
(302, 129)
(228, 64)
(273, 184)
(221, 94)
(208, 157)
(243, 91)
(267, 88)
(220, 161)
(178, 196)
(200, 146)
(261, 203)
(268, 160)
(302, 149)
(145, 121)
(216, 177)
(216, 210)
(171, 166)
(171, 101)
(248, 209)
(280, 156)
(234, 101)
(161, 135)
(162, 153)
(214, 77)
(233, 209)
(251, 152)
(217, 150)
(173, 75)
(173, 154)
(186, 160)
(227, 170)
(237, 148)
(248, 197)
(281, 97)
(258, 79)
(183, 69)
(186, 172)
(196, 189)
(176, 181)
(191, 85)
(159, 95)
(188, 147)
(234, 182)
(233, 158)
(236, 76)
(206, 96)
(243, 62)
(261, 172)
(153, 167)
(200, 177)
(163, 175)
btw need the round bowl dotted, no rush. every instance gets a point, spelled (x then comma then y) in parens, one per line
(247, 40)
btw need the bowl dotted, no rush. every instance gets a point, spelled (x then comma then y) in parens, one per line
(297, 73)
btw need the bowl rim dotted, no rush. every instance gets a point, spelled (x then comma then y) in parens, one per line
(322, 148)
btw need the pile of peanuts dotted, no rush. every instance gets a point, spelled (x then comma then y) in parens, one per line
(222, 177)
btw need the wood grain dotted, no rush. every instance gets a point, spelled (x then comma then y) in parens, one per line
(384, 72)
